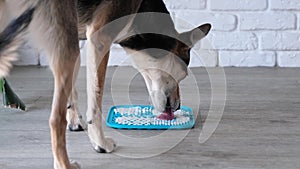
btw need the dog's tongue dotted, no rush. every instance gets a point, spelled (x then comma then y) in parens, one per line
(166, 115)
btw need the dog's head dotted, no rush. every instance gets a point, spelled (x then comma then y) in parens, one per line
(163, 69)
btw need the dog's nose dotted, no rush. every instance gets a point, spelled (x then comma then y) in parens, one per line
(174, 106)
(168, 104)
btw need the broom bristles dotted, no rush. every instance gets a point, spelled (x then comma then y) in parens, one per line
(10, 99)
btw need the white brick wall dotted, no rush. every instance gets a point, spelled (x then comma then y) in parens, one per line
(245, 33)
(187, 4)
(288, 59)
(29, 55)
(281, 41)
(268, 21)
(238, 5)
(247, 59)
(233, 41)
(285, 4)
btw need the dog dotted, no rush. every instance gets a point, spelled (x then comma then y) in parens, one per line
(11, 38)
(157, 50)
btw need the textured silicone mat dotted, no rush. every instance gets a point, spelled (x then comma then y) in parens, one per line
(144, 117)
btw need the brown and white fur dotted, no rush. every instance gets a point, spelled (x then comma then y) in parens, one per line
(55, 28)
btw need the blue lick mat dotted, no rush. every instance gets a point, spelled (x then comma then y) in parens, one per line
(144, 117)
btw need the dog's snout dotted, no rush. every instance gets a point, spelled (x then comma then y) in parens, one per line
(173, 105)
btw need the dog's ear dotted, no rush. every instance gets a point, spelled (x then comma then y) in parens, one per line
(190, 38)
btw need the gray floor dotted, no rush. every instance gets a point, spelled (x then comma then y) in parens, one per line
(260, 127)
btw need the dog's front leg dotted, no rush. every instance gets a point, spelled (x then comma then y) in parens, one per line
(97, 58)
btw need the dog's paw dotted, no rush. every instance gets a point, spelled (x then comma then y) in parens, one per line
(75, 127)
(75, 121)
(108, 146)
(74, 165)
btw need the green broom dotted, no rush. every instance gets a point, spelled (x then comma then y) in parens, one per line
(10, 99)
